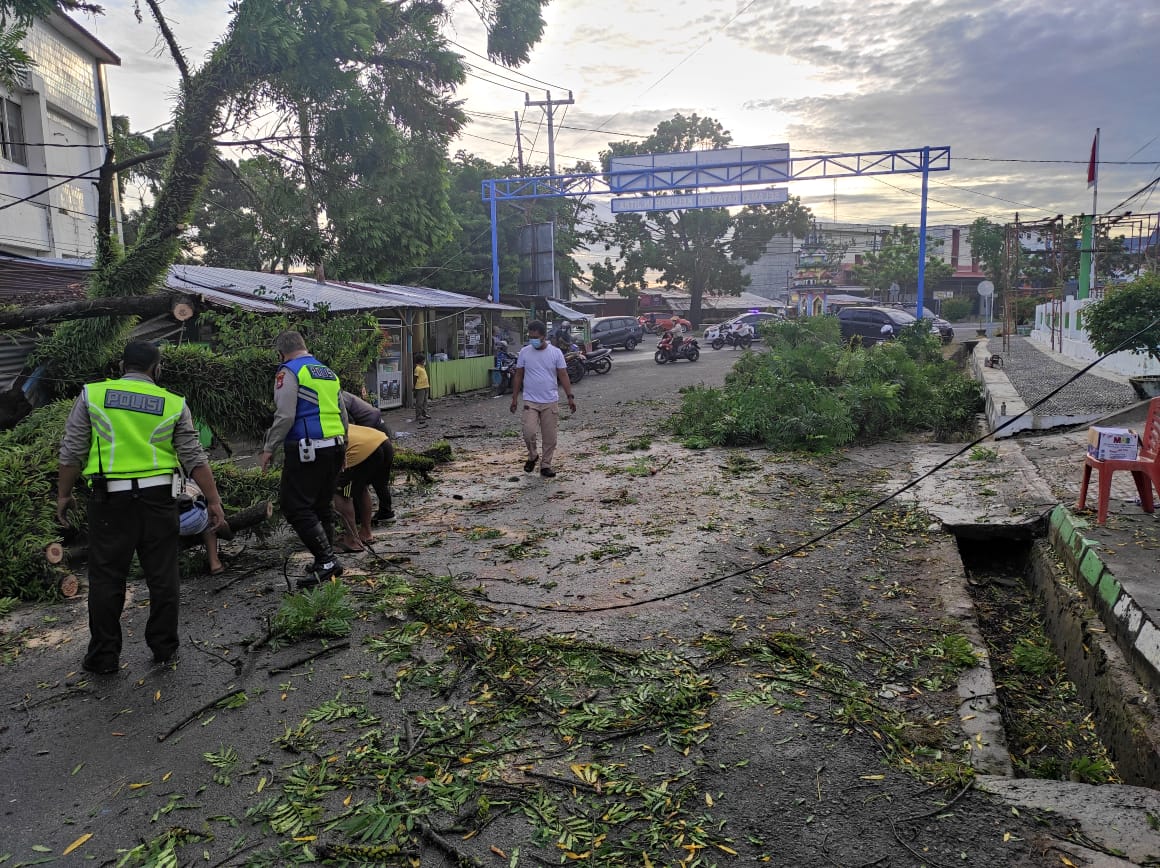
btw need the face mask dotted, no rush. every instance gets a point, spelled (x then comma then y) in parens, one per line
(536, 343)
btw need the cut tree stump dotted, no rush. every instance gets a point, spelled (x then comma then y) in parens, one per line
(69, 585)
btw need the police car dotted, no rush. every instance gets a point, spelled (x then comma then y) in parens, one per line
(754, 318)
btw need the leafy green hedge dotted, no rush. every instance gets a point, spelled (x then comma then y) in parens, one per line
(231, 387)
(809, 392)
(28, 503)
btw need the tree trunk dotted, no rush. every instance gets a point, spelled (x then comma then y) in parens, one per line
(230, 69)
(181, 307)
(56, 553)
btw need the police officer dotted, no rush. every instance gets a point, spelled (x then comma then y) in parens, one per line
(130, 438)
(310, 421)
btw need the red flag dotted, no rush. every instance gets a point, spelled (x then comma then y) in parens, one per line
(1094, 162)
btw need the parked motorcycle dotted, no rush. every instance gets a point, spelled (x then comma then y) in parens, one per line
(575, 362)
(598, 360)
(688, 349)
(744, 340)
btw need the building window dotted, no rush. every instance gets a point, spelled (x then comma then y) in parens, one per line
(12, 132)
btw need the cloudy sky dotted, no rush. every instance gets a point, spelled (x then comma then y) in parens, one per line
(1016, 88)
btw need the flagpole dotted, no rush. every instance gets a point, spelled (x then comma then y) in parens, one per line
(1095, 209)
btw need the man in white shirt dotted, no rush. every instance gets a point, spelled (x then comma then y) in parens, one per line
(540, 372)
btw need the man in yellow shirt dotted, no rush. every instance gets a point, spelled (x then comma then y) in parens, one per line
(422, 387)
(369, 456)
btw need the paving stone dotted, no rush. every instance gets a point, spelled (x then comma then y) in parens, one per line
(1033, 373)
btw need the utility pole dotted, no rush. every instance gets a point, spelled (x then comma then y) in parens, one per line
(549, 105)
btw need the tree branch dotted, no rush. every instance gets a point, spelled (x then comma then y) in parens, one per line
(170, 40)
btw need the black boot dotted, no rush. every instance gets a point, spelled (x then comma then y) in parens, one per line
(326, 566)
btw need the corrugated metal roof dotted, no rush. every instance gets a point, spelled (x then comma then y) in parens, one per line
(40, 281)
(425, 296)
(251, 290)
(259, 291)
(14, 350)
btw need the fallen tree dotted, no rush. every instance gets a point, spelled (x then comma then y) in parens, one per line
(812, 393)
(246, 519)
(181, 308)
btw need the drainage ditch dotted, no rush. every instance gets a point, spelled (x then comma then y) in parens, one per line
(1054, 731)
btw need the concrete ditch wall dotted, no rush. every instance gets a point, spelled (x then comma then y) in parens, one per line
(1124, 712)
(1127, 622)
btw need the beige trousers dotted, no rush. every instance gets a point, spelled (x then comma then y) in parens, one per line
(542, 420)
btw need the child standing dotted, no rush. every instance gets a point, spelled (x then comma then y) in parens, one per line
(422, 387)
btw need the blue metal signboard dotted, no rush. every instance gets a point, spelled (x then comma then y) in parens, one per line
(688, 171)
(721, 167)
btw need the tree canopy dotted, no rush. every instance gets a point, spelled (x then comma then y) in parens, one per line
(702, 250)
(463, 262)
(366, 93)
(987, 242)
(896, 261)
(1124, 311)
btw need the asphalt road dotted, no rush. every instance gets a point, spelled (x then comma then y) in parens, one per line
(777, 711)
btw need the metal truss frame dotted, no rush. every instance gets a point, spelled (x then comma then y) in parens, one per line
(922, 161)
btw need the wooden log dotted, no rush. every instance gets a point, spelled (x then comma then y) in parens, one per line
(239, 521)
(247, 518)
(59, 553)
(180, 308)
(69, 585)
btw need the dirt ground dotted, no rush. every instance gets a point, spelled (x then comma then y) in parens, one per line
(612, 667)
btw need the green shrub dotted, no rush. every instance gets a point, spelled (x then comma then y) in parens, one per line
(28, 503)
(958, 309)
(808, 392)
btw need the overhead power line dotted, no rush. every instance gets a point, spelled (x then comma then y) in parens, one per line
(508, 69)
(480, 78)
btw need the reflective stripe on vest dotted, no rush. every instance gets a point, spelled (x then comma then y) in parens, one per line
(317, 415)
(132, 424)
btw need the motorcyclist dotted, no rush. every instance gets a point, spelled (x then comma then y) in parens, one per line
(505, 364)
(740, 331)
(676, 335)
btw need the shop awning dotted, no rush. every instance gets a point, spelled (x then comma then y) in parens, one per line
(566, 312)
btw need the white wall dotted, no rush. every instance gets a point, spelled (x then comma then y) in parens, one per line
(60, 108)
(1065, 326)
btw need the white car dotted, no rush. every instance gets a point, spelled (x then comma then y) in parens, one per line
(754, 318)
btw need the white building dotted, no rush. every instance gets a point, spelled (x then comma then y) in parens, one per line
(787, 264)
(55, 126)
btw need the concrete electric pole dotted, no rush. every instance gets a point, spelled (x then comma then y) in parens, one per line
(549, 105)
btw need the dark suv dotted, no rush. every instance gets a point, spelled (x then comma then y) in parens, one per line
(872, 324)
(617, 331)
(946, 331)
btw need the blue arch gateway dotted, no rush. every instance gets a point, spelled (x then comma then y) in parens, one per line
(664, 182)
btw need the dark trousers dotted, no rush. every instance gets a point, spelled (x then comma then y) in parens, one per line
(373, 471)
(124, 523)
(306, 492)
(421, 402)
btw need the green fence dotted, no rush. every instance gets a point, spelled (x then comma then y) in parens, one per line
(460, 375)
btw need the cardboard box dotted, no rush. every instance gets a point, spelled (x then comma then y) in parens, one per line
(1113, 444)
